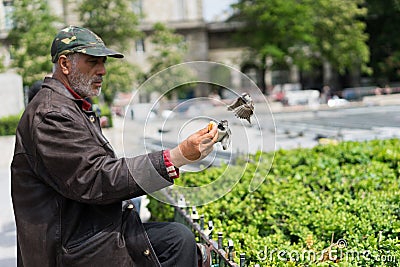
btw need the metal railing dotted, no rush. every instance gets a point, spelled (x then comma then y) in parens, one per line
(220, 256)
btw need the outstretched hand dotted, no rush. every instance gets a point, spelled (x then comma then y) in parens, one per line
(196, 147)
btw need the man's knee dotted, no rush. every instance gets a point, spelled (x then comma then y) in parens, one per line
(182, 234)
(174, 243)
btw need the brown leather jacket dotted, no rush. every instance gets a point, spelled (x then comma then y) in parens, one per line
(68, 188)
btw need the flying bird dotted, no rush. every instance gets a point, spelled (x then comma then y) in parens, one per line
(243, 107)
(224, 133)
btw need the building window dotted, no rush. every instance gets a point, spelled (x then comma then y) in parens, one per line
(139, 46)
(8, 11)
(137, 6)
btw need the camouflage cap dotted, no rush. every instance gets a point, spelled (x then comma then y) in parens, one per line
(75, 39)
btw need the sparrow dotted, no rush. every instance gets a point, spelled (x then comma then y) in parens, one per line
(224, 133)
(243, 107)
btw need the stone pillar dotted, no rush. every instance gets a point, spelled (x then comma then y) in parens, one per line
(294, 74)
(327, 73)
(268, 74)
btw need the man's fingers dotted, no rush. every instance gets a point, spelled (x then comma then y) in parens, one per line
(207, 142)
(209, 132)
(215, 138)
(213, 133)
(205, 130)
(206, 152)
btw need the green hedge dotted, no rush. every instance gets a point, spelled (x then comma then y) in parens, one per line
(106, 111)
(8, 125)
(348, 192)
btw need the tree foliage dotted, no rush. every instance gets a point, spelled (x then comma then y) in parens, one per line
(30, 39)
(120, 77)
(169, 49)
(340, 33)
(113, 20)
(382, 22)
(306, 30)
(2, 67)
(272, 27)
(116, 23)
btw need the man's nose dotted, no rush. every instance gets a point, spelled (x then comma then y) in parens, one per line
(101, 69)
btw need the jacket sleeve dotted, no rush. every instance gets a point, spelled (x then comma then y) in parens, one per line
(72, 159)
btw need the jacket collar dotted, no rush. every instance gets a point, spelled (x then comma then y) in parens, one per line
(60, 88)
(85, 104)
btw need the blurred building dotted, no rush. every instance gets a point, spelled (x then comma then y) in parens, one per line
(6, 7)
(210, 41)
(205, 41)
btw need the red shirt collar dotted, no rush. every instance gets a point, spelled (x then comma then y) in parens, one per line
(85, 104)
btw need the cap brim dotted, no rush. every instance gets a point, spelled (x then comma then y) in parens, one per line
(102, 52)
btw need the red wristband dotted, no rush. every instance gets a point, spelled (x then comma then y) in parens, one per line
(172, 171)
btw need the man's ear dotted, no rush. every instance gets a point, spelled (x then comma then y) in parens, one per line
(64, 64)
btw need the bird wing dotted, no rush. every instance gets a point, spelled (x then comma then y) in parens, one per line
(238, 102)
(244, 112)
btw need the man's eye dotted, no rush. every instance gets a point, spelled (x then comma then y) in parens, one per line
(95, 61)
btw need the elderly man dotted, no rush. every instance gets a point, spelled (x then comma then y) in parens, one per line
(68, 186)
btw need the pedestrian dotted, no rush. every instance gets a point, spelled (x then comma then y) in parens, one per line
(34, 89)
(68, 187)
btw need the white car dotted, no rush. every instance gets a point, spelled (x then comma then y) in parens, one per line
(335, 101)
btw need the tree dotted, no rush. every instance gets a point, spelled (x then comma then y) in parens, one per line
(116, 23)
(2, 67)
(272, 27)
(306, 32)
(169, 49)
(114, 20)
(30, 39)
(340, 33)
(382, 22)
(120, 78)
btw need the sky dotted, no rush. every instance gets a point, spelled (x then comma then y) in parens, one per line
(215, 8)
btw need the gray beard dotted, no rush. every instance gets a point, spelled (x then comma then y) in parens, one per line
(82, 84)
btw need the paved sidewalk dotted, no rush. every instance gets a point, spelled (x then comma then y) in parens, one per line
(7, 225)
